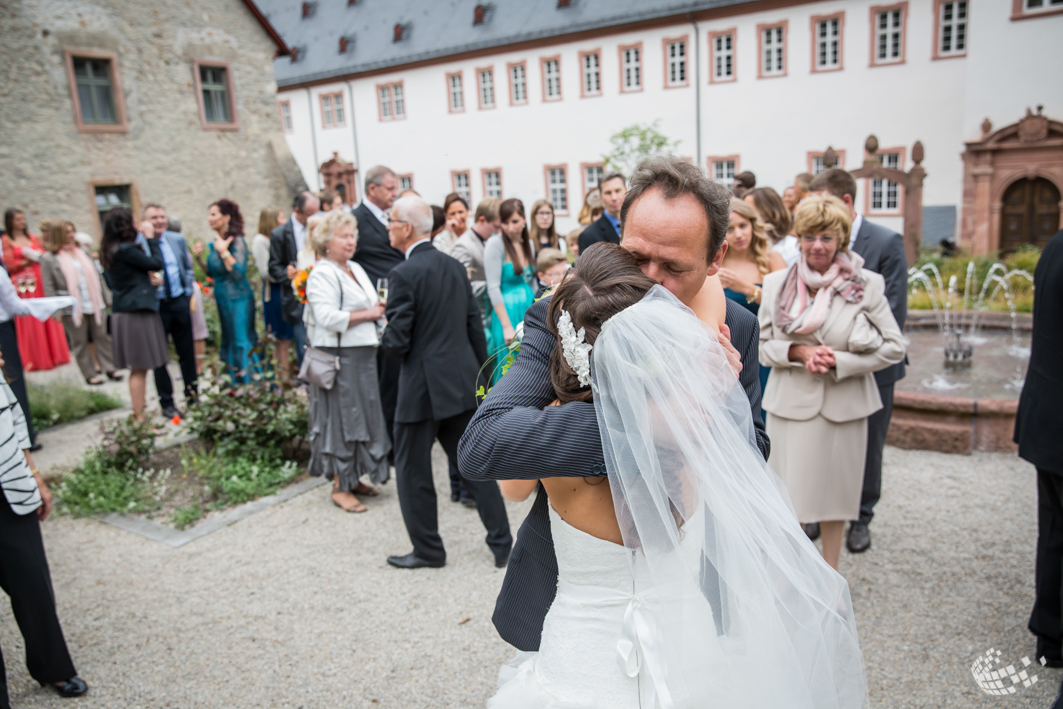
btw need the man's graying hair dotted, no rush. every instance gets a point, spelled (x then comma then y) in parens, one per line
(674, 178)
(299, 203)
(377, 175)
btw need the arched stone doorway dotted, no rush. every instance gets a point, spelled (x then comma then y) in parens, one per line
(1030, 214)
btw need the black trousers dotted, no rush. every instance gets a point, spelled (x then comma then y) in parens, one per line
(417, 491)
(24, 576)
(177, 323)
(13, 372)
(388, 369)
(878, 425)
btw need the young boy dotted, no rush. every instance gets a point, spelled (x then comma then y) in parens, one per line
(550, 267)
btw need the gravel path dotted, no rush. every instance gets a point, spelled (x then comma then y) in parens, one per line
(295, 606)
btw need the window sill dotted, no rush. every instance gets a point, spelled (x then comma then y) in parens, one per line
(827, 69)
(949, 56)
(1031, 14)
(631, 91)
(102, 127)
(897, 62)
(677, 86)
(221, 126)
(731, 80)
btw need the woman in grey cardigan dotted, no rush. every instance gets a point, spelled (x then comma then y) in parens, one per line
(67, 270)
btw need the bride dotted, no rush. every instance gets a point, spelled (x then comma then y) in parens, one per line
(684, 578)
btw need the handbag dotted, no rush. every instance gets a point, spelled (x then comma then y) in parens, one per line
(864, 337)
(319, 367)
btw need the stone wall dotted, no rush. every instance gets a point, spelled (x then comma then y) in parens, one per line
(48, 166)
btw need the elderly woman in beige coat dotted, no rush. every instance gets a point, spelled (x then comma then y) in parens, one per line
(825, 328)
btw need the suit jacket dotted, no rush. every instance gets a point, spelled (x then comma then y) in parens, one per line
(184, 259)
(434, 327)
(883, 252)
(375, 253)
(1039, 420)
(600, 230)
(282, 252)
(468, 249)
(128, 277)
(504, 441)
(849, 392)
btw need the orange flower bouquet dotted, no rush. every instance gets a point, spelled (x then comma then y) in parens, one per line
(299, 283)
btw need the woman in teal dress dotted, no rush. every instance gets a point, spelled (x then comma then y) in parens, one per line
(227, 265)
(509, 268)
(748, 259)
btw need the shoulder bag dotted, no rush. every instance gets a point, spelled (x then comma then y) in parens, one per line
(319, 367)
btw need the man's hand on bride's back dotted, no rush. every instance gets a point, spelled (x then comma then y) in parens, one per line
(733, 358)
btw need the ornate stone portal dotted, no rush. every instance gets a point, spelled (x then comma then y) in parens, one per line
(337, 171)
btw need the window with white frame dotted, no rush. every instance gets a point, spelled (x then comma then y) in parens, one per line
(399, 105)
(676, 57)
(952, 28)
(774, 47)
(723, 57)
(286, 116)
(487, 88)
(592, 175)
(405, 182)
(392, 106)
(884, 194)
(632, 61)
(461, 186)
(557, 188)
(828, 43)
(723, 171)
(552, 79)
(817, 165)
(592, 77)
(889, 30)
(1038, 5)
(518, 82)
(493, 184)
(457, 96)
(332, 110)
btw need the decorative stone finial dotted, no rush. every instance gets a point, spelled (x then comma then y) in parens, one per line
(917, 152)
(987, 127)
(830, 158)
(871, 144)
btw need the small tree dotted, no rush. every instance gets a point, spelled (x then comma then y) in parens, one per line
(634, 144)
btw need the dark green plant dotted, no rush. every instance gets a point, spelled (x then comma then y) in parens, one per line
(187, 516)
(1024, 259)
(64, 401)
(634, 144)
(235, 479)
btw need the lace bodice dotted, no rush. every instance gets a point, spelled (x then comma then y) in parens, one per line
(583, 560)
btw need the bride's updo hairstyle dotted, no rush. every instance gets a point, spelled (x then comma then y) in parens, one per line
(605, 280)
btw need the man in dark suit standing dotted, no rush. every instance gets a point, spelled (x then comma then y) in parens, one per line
(883, 253)
(285, 243)
(434, 330)
(1038, 423)
(675, 222)
(376, 255)
(613, 188)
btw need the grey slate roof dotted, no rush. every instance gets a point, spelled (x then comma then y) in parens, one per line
(438, 28)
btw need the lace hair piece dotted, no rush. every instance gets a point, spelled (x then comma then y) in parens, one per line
(575, 350)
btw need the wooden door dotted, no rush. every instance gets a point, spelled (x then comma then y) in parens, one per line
(1030, 214)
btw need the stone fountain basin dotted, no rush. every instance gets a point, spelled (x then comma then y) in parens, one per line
(960, 411)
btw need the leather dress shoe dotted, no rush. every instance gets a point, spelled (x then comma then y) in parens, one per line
(454, 496)
(859, 539)
(412, 561)
(36, 447)
(73, 687)
(812, 530)
(469, 502)
(502, 559)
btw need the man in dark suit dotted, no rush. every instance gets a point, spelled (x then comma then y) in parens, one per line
(434, 330)
(883, 253)
(1038, 423)
(285, 243)
(666, 216)
(613, 188)
(376, 255)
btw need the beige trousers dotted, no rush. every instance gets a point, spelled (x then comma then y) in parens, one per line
(79, 344)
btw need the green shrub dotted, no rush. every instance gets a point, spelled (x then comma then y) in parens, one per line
(239, 478)
(110, 478)
(64, 401)
(186, 516)
(1024, 259)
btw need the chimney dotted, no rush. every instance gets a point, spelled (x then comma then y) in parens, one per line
(478, 15)
(400, 32)
(564, 3)
(343, 45)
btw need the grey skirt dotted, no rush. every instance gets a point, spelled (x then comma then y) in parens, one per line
(139, 341)
(348, 437)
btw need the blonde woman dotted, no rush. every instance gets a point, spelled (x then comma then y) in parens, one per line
(825, 327)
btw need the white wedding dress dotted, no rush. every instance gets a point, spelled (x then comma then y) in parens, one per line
(716, 599)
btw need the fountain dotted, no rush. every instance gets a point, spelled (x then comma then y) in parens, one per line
(966, 363)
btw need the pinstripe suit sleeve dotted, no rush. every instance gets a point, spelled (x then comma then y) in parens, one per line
(745, 330)
(515, 436)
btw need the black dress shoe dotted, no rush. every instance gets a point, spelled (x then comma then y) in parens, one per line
(455, 496)
(412, 561)
(812, 530)
(859, 539)
(36, 447)
(502, 559)
(469, 502)
(170, 412)
(73, 687)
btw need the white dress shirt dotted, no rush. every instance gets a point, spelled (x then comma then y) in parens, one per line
(415, 244)
(857, 223)
(300, 234)
(377, 212)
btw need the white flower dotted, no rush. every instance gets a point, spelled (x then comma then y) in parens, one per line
(575, 351)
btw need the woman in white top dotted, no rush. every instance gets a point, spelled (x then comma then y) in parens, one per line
(456, 214)
(348, 437)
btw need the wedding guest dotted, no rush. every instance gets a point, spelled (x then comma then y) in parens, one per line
(285, 243)
(24, 573)
(12, 306)
(456, 222)
(883, 253)
(593, 196)
(268, 220)
(227, 265)
(348, 436)
(42, 345)
(175, 293)
(541, 227)
(801, 189)
(67, 270)
(594, 208)
(790, 199)
(826, 323)
(434, 329)
(778, 222)
(550, 268)
(509, 267)
(469, 251)
(744, 182)
(341, 190)
(328, 200)
(200, 331)
(439, 220)
(138, 339)
(1038, 422)
(613, 188)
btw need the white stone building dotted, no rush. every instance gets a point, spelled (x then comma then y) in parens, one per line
(519, 97)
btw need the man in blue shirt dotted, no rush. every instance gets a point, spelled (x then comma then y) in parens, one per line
(613, 188)
(175, 292)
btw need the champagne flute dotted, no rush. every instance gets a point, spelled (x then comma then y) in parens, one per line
(382, 288)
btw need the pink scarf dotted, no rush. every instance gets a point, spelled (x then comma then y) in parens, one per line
(798, 312)
(92, 280)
